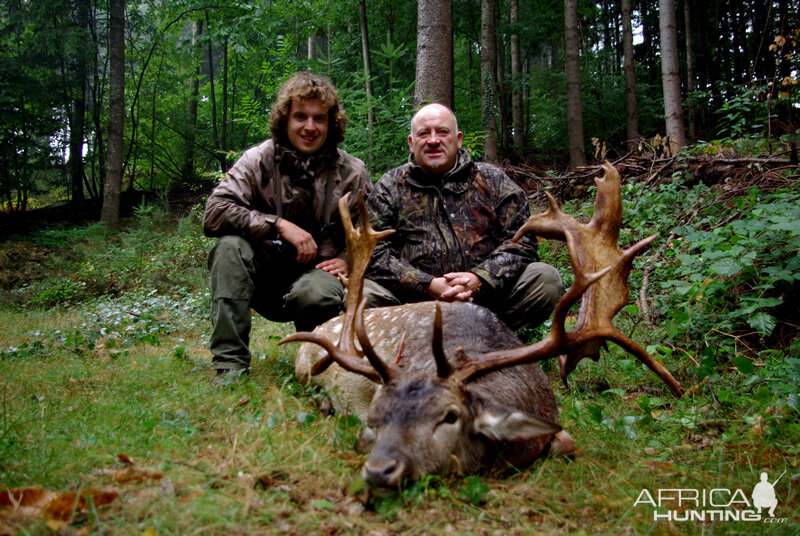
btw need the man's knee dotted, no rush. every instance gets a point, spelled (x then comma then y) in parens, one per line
(549, 282)
(230, 250)
(315, 289)
(540, 283)
(378, 295)
(533, 297)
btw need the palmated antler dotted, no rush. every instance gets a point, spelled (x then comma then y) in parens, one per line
(601, 280)
(360, 244)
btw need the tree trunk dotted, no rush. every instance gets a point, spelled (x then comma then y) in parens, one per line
(116, 113)
(194, 94)
(518, 120)
(153, 121)
(487, 80)
(605, 12)
(434, 76)
(631, 105)
(78, 115)
(689, 66)
(617, 40)
(215, 131)
(670, 75)
(573, 74)
(362, 19)
(503, 98)
(223, 141)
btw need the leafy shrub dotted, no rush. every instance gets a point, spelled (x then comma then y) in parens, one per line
(730, 278)
(154, 253)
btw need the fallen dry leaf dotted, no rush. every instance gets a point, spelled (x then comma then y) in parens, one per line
(132, 474)
(272, 479)
(57, 509)
(664, 466)
(65, 505)
(351, 507)
(26, 497)
(242, 401)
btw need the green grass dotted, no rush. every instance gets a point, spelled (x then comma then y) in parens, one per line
(120, 371)
(258, 457)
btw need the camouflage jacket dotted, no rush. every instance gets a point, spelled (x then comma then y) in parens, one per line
(270, 182)
(461, 221)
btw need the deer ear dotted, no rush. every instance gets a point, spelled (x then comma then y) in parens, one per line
(503, 423)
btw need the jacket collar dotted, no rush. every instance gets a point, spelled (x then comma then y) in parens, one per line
(299, 164)
(457, 179)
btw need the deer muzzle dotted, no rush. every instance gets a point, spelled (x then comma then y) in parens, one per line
(386, 468)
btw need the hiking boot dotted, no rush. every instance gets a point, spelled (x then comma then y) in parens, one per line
(229, 376)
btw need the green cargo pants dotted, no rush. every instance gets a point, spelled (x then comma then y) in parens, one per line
(528, 303)
(269, 280)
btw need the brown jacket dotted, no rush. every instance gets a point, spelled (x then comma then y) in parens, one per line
(255, 193)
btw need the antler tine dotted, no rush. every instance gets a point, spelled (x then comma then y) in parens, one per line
(588, 343)
(601, 282)
(549, 224)
(443, 368)
(360, 244)
(386, 371)
(345, 360)
(568, 362)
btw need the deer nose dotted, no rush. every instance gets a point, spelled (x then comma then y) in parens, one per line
(386, 472)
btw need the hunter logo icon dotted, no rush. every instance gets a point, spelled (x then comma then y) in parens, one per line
(764, 494)
(714, 504)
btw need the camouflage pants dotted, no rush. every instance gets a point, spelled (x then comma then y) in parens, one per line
(527, 304)
(270, 281)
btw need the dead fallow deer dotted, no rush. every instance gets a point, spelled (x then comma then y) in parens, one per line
(447, 386)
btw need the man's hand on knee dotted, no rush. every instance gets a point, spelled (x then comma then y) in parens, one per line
(334, 266)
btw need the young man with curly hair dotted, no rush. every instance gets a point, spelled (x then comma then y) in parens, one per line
(281, 242)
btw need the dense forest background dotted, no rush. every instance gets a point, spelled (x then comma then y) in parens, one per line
(194, 81)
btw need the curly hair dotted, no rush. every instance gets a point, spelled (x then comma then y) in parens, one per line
(308, 86)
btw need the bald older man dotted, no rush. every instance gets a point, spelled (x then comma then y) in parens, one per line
(455, 219)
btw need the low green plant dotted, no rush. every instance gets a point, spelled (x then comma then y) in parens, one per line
(732, 278)
(153, 253)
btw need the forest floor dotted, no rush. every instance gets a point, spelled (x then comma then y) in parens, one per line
(110, 423)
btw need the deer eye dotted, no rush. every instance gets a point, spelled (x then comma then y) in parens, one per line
(451, 417)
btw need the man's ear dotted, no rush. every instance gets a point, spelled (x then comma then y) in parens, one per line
(411, 144)
(460, 136)
(503, 423)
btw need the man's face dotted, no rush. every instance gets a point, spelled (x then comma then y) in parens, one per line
(434, 140)
(307, 128)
